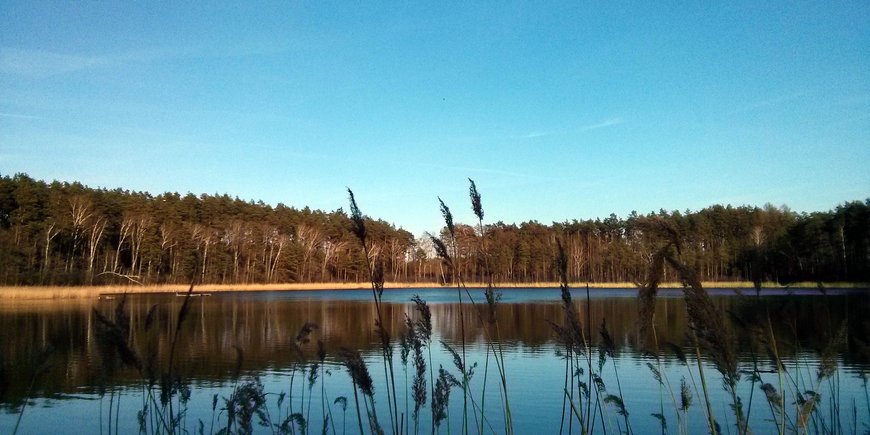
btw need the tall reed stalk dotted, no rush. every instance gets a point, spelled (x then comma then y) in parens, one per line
(457, 280)
(376, 277)
(423, 338)
(493, 345)
(573, 338)
(491, 296)
(647, 291)
(362, 381)
(41, 364)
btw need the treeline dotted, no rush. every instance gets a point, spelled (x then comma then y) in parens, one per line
(68, 234)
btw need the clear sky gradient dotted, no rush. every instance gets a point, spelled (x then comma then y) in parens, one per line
(557, 111)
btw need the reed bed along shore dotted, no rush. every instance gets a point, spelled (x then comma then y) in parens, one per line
(93, 292)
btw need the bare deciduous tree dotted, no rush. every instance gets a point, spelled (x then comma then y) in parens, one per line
(95, 234)
(81, 209)
(309, 238)
(51, 231)
(123, 233)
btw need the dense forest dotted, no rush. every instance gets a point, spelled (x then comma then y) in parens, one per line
(68, 234)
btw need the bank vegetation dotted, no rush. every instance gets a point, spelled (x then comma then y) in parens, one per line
(67, 234)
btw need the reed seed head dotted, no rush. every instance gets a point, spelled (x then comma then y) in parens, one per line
(678, 351)
(356, 216)
(406, 340)
(448, 217)
(358, 370)
(492, 297)
(384, 336)
(424, 324)
(708, 324)
(685, 395)
(807, 401)
(599, 383)
(441, 396)
(313, 374)
(828, 358)
(303, 337)
(608, 346)
(378, 277)
(341, 401)
(441, 250)
(418, 388)
(113, 337)
(655, 372)
(647, 291)
(185, 309)
(247, 401)
(773, 397)
(467, 371)
(617, 403)
(662, 421)
(475, 200)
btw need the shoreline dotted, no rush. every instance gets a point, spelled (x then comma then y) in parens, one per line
(94, 292)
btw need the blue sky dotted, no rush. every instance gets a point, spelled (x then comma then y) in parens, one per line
(557, 111)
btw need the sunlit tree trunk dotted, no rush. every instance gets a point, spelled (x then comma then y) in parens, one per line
(168, 243)
(206, 237)
(140, 229)
(330, 251)
(51, 231)
(123, 234)
(81, 210)
(94, 236)
(233, 239)
(309, 237)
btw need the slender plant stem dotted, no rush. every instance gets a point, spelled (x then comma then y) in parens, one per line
(358, 414)
(483, 390)
(464, 371)
(621, 397)
(778, 373)
(710, 420)
(566, 397)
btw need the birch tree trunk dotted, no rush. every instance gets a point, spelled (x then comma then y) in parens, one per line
(94, 236)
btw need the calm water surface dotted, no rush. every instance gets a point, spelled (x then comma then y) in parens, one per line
(75, 391)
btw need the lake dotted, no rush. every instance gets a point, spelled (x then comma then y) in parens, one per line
(79, 386)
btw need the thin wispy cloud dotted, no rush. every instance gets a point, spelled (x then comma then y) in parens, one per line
(603, 124)
(41, 63)
(30, 62)
(536, 134)
(17, 116)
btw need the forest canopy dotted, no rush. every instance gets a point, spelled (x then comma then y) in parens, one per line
(63, 233)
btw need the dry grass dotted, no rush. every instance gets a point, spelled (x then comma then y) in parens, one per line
(93, 292)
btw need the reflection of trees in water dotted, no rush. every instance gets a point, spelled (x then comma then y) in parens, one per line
(266, 330)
